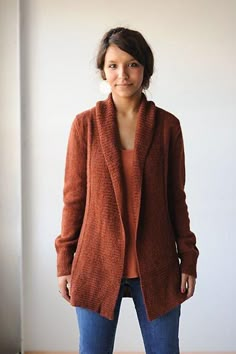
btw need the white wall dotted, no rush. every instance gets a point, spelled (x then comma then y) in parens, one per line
(194, 45)
(10, 180)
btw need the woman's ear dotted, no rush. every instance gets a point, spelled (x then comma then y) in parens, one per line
(103, 75)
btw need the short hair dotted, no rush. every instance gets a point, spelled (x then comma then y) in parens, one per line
(131, 42)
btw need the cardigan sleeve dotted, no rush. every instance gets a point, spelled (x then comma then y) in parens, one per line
(74, 197)
(185, 238)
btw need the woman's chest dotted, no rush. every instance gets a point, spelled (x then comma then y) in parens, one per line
(126, 130)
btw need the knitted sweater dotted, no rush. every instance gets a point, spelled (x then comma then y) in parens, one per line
(91, 246)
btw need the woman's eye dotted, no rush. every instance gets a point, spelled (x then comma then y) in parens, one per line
(112, 66)
(133, 65)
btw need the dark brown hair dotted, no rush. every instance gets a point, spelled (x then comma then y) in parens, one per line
(131, 42)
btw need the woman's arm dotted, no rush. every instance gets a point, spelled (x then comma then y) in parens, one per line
(185, 239)
(74, 197)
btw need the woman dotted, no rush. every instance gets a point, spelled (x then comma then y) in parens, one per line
(125, 225)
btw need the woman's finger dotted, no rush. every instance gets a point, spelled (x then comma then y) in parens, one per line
(191, 286)
(64, 287)
(183, 282)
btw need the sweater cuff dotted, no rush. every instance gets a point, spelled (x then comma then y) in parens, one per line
(64, 264)
(189, 264)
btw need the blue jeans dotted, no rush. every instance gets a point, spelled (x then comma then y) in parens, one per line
(97, 333)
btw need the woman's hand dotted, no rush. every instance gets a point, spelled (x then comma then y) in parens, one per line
(64, 286)
(188, 284)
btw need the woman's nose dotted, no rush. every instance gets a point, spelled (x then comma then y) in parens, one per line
(123, 72)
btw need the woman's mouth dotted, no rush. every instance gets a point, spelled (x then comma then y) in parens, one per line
(124, 85)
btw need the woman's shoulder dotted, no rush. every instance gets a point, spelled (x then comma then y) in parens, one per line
(82, 119)
(167, 117)
(86, 115)
(170, 124)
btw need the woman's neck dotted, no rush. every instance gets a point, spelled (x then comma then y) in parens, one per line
(127, 106)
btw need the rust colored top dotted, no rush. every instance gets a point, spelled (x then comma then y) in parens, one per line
(130, 263)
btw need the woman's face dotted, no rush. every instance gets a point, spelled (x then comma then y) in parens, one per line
(123, 73)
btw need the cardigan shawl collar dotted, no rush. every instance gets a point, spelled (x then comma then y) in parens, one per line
(110, 143)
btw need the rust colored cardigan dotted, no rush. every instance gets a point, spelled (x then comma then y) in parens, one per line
(91, 245)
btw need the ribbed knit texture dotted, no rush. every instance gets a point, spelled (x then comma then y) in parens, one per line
(91, 246)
